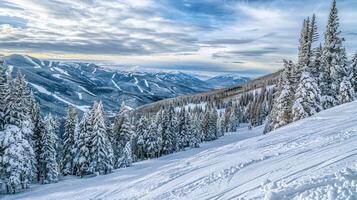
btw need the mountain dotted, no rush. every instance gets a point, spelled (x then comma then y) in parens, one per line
(227, 81)
(304, 160)
(57, 84)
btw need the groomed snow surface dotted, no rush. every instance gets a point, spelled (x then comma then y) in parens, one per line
(314, 158)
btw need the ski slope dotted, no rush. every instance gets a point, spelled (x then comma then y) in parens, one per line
(305, 160)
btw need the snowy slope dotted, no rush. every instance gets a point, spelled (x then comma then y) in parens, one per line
(304, 160)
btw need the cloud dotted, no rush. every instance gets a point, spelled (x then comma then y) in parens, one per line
(229, 35)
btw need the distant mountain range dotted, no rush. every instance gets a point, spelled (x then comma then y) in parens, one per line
(58, 84)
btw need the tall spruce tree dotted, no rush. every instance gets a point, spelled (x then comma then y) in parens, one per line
(332, 59)
(122, 138)
(82, 146)
(353, 68)
(48, 164)
(280, 114)
(18, 158)
(101, 156)
(71, 129)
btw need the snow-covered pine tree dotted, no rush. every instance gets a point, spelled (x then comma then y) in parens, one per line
(17, 114)
(16, 169)
(117, 131)
(280, 114)
(317, 71)
(122, 138)
(4, 93)
(48, 164)
(183, 129)
(151, 141)
(70, 134)
(141, 134)
(213, 125)
(126, 159)
(332, 59)
(82, 146)
(194, 137)
(101, 152)
(353, 68)
(346, 91)
(304, 51)
(307, 97)
(205, 126)
(167, 139)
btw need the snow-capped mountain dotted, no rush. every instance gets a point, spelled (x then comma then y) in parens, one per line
(57, 84)
(227, 80)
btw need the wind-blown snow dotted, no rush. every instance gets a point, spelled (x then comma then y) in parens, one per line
(304, 160)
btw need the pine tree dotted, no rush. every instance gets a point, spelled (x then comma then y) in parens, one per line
(193, 140)
(346, 91)
(48, 163)
(69, 137)
(82, 146)
(122, 138)
(280, 114)
(151, 140)
(17, 118)
(307, 98)
(141, 132)
(183, 129)
(332, 59)
(353, 68)
(101, 152)
(16, 165)
(4, 93)
(127, 158)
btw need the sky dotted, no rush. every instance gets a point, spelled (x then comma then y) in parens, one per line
(205, 37)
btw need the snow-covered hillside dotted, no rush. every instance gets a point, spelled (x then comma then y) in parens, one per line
(304, 160)
(59, 84)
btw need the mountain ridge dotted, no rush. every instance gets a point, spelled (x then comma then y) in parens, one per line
(59, 83)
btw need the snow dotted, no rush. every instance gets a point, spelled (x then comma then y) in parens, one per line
(146, 83)
(56, 75)
(115, 84)
(95, 69)
(82, 107)
(61, 71)
(307, 159)
(32, 62)
(9, 70)
(136, 83)
(86, 91)
(79, 95)
(41, 89)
